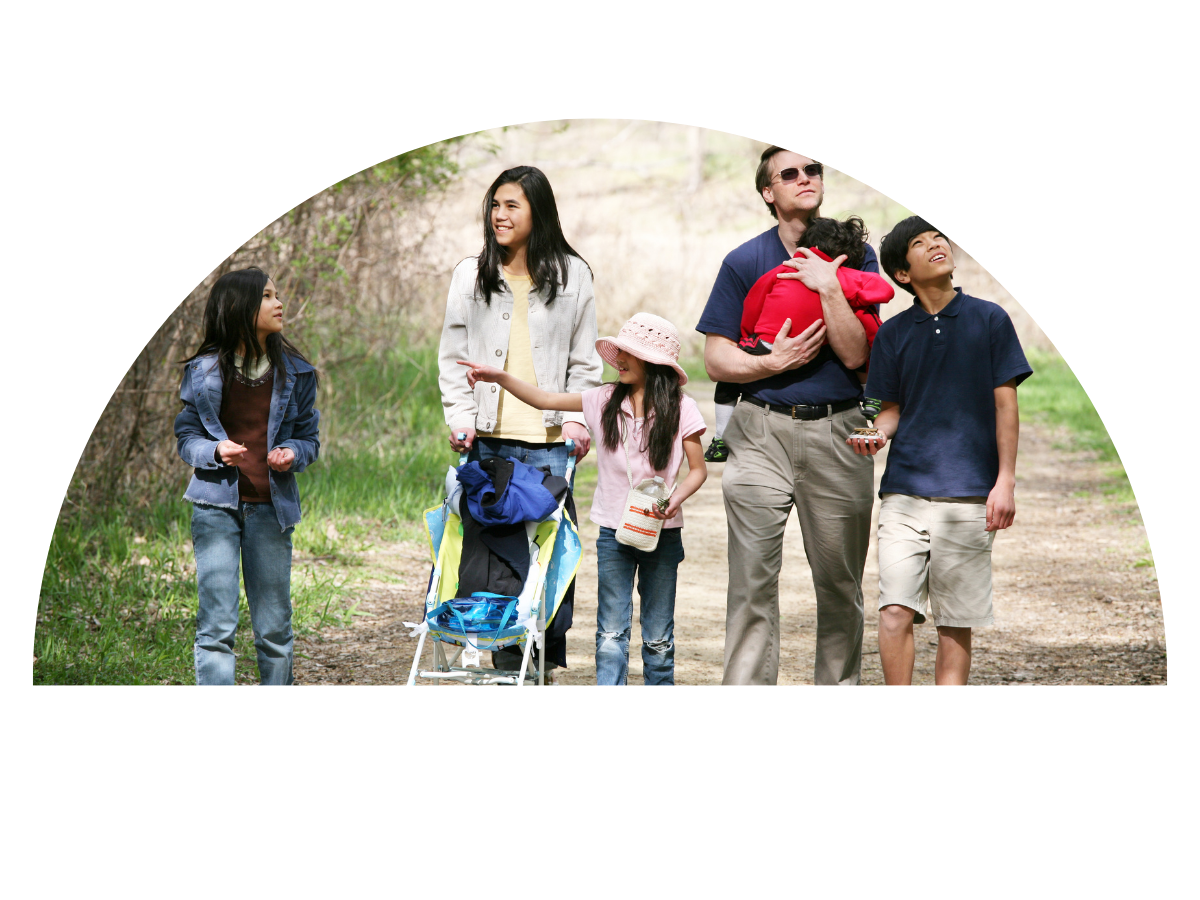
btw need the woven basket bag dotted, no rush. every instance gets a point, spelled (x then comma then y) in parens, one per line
(637, 529)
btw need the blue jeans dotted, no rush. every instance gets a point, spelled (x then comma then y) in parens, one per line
(537, 455)
(250, 535)
(656, 573)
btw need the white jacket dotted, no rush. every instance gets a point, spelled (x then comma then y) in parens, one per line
(563, 344)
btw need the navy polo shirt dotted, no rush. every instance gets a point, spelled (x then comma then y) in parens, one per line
(825, 379)
(943, 370)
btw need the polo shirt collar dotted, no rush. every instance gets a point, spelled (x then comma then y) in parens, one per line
(950, 309)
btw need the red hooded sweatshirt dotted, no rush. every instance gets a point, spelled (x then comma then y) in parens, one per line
(774, 299)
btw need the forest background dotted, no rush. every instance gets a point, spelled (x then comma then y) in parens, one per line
(364, 267)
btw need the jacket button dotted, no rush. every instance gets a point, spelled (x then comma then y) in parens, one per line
(493, 389)
(499, 352)
(506, 315)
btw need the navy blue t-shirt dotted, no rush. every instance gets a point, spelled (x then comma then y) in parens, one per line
(825, 379)
(943, 370)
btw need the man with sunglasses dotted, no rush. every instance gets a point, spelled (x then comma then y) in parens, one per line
(786, 439)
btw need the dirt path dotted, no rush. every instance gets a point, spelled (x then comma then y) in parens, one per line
(1072, 603)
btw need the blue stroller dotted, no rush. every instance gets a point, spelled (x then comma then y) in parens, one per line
(487, 621)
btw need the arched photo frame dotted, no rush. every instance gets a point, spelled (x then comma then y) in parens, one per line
(263, 196)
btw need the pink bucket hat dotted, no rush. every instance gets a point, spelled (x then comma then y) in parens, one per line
(650, 338)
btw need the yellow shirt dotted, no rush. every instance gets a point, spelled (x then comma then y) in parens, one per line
(517, 421)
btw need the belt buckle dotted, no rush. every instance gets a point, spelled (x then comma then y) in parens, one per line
(815, 412)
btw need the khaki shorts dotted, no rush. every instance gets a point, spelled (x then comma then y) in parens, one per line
(935, 552)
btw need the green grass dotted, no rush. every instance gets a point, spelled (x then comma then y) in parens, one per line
(1147, 561)
(384, 452)
(1053, 396)
(118, 602)
(585, 485)
(694, 366)
(118, 599)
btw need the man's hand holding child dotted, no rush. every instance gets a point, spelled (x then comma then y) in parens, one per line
(815, 273)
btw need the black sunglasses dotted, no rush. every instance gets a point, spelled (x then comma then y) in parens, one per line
(790, 174)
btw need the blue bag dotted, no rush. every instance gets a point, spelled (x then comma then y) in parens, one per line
(479, 612)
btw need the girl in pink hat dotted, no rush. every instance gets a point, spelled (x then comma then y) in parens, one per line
(646, 426)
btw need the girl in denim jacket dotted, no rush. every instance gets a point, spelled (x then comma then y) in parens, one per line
(247, 426)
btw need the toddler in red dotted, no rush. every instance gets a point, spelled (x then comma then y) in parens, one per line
(774, 299)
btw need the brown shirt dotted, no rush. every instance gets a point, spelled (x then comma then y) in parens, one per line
(245, 407)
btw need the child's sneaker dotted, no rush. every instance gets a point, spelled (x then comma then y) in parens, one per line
(718, 451)
(754, 345)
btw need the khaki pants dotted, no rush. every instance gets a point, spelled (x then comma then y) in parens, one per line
(777, 462)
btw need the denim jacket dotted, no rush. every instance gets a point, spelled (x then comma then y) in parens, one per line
(291, 422)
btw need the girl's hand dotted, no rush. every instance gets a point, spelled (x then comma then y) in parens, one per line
(280, 459)
(231, 452)
(480, 373)
(671, 510)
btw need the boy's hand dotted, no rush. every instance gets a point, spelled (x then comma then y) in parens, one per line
(1001, 506)
(477, 372)
(232, 453)
(280, 459)
(864, 445)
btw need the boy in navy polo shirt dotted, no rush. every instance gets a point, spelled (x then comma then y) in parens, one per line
(946, 371)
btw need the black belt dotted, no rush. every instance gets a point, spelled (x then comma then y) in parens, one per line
(802, 411)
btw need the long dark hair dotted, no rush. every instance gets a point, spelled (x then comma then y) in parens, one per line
(547, 251)
(229, 317)
(660, 403)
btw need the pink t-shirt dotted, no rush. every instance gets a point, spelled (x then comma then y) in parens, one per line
(612, 480)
